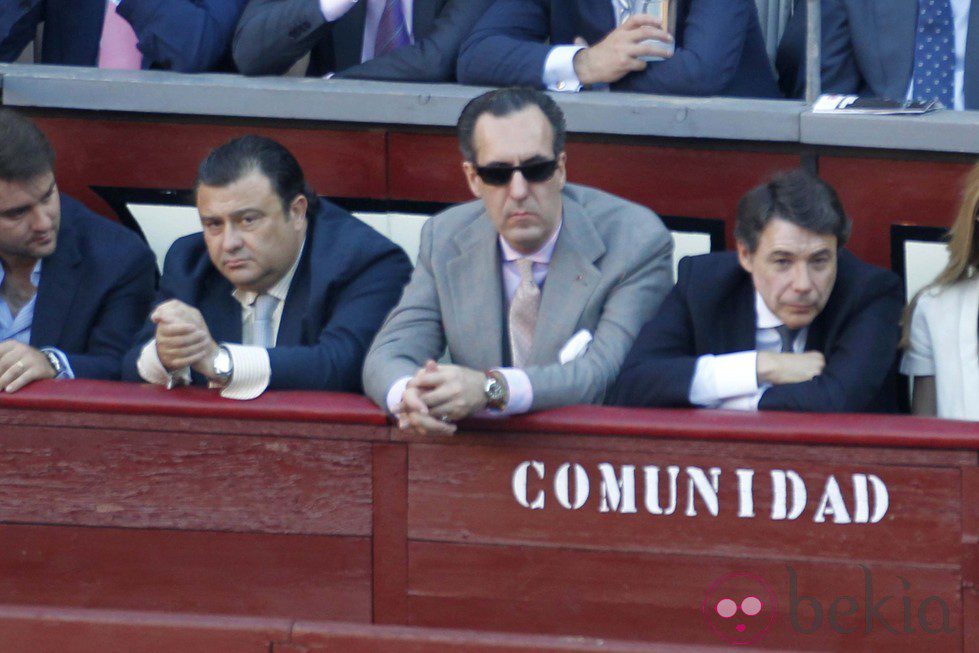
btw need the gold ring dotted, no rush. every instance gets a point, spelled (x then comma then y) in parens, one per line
(20, 364)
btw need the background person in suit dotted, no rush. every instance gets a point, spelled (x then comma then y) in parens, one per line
(791, 321)
(719, 48)
(940, 324)
(396, 40)
(282, 290)
(180, 35)
(537, 289)
(73, 285)
(871, 48)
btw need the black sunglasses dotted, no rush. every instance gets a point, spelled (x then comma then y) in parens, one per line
(496, 175)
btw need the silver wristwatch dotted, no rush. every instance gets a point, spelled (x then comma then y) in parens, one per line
(496, 391)
(223, 365)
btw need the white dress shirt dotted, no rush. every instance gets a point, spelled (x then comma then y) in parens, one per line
(731, 380)
(518, 383)
(252, 369)
(960, 22)
(334, 9)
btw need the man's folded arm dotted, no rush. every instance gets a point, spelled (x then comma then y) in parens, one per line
(272, 35)
(506, 47)
(18, 27)
(859, 364)
(412, 333)
(714, 35)
(183, 35)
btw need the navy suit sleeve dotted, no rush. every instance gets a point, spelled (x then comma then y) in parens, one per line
(507, 45)
(362, 301)
(859, 361)
(183, 35)
(123, 309)
(659, 368)
(714, 36)
(18, 26)
(431, 58)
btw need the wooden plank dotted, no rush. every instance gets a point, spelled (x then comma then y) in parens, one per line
(306, 577)
(390, 534)
(879, 192)
(59, 630)
(970, 558)
(467, 494)
(168, 480)
(662, 597)
(156, 152)
(425, 167)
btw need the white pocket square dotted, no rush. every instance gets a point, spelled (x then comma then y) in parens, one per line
(575, 347)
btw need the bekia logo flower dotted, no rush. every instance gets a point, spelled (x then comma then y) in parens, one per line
(740, 608)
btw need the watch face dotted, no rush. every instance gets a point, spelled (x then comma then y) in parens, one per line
(222, 363)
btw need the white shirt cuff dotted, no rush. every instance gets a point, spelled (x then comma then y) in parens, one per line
(396, 393)
(559, 74)
(722, 377)
(333, 9)
(151, 369)
(251, 372)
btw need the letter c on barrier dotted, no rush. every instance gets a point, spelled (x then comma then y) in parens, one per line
(520, 485)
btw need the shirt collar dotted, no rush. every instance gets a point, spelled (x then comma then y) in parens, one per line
(764, 318)
(35, 273)
(543, 255)
(279, 290)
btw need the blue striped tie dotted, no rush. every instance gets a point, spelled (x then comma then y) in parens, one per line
(392, 31)
(934, 52)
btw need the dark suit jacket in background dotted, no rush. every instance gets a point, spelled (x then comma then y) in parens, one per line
(711, 310)
(94, 293)
(719, 47)
(181, 35)
(867, 49)
(274, 34)
(348, 278)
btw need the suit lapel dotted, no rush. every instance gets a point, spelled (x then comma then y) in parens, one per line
(740, 333)
(297, 301)
(476, 293)
(972, 60)
(571, 280)
(221, 311)
(56, 290)
(348, 36)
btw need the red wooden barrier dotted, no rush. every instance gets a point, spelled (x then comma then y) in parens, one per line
(856, 532)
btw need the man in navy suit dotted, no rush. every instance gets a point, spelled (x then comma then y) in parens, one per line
(869, 48)
(791, 321)
(341, 36)
(570, 44)
(180, 35)
(282, 290)
(73, 286)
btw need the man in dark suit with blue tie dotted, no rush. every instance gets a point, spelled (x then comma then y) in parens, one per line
(566, 45)
(282, 290)
(791, 321)
(73, 285)
(180, 35)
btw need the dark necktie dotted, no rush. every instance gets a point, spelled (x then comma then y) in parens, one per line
(392, 31)
(787, 337)
(934, 52)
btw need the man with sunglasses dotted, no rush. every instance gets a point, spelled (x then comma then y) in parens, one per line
(537, 289)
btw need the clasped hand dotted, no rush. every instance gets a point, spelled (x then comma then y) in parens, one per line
(439, 395)
(182, 338)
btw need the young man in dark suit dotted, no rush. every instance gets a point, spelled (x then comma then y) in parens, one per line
(73, 286)
(282, 290)
(791, 321)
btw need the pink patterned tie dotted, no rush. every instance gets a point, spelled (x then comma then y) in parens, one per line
(117, 47)
(523, 313)
(392, 31)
